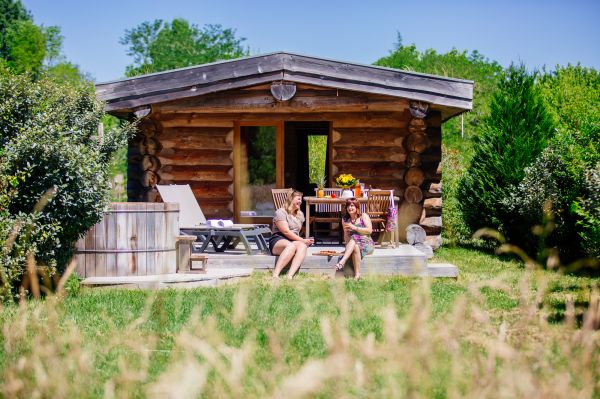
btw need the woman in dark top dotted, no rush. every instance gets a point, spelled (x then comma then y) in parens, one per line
(286, 241)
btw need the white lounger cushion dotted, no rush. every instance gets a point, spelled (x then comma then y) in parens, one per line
(190, 214)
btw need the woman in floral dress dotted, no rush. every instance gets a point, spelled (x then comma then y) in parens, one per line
(357, 234)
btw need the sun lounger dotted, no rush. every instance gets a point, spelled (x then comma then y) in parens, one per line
(193, 222)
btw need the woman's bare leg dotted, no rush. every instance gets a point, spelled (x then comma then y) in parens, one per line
(286, 250)
(356, 261)
(298, 258)
(348, 252)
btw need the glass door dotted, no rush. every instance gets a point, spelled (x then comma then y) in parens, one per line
(258, 166)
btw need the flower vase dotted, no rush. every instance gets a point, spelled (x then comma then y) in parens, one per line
(347, 193)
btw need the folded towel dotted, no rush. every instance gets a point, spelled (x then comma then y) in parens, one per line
(219, 223)
(225, 223)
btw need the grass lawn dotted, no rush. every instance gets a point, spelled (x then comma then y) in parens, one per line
(497, 331)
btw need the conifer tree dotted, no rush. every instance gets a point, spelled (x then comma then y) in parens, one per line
(516, 131)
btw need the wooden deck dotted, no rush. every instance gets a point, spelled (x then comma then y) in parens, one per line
(404, 260)
(232, 265)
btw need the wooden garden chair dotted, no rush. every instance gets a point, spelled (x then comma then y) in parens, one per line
(377, 205)
(328, 213)
(280, 196)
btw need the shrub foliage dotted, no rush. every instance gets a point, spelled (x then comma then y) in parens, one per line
(545, 195)
(587, 207)
(52, 152)
(561, 180)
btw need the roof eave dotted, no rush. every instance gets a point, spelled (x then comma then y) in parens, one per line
(209, 78)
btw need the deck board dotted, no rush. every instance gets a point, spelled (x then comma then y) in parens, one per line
(232, 265)
(404, 260)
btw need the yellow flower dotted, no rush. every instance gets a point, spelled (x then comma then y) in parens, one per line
(345, 180)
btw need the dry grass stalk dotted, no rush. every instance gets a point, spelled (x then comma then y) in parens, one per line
(463, 353)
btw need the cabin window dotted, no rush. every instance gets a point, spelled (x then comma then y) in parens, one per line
(257, 170)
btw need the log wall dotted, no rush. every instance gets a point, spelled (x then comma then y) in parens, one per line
(200, 156)
(374, 137)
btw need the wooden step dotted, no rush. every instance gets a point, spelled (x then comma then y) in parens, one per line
(202, 259)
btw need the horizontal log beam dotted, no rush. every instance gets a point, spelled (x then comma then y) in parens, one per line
(368, 154)
(368, 137)
(338, 119)
(263, 101)
(196, 141)
(182, 173)
(195, 157)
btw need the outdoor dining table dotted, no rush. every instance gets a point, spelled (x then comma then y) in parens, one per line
(342, 201)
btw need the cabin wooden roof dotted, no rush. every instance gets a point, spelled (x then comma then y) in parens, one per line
(449, 95)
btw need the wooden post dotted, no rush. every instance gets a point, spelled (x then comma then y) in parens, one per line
(184, 253)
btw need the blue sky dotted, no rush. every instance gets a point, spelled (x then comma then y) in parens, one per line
(551, 32)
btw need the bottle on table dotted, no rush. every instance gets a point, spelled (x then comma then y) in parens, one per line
(357, 189)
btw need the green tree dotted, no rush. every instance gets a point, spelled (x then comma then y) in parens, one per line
(26, 47)
(66, 72)
(572, 95)
(513, 135)
(10, 12)
(158, 46)
(457, 64)
(56, 66)
(29, 48)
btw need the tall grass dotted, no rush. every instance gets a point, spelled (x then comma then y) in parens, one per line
(481, 336)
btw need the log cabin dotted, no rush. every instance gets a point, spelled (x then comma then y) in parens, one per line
(234, 129)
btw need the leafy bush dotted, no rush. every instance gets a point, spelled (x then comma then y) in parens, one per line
(317, 154)
(550, 186)
(562, 177)
(588, 208)
(572, 94)
(516, 131)
(48, 132)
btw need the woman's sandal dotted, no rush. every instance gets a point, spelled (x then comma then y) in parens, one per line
(339, 266)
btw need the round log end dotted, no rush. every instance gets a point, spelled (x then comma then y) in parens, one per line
(413, 194)
(417, 142)
(415, 234)
(414, 177)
